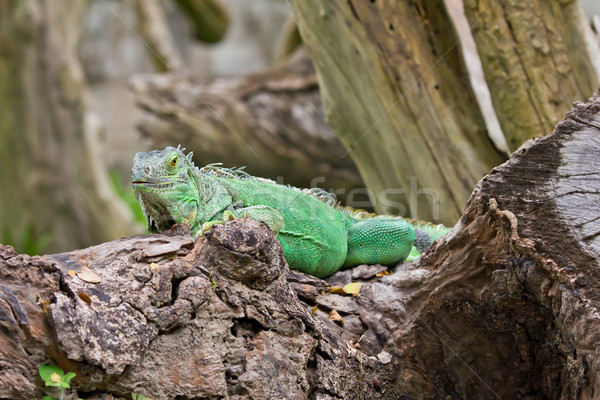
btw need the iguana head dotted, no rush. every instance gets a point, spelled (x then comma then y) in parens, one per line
(164, 186)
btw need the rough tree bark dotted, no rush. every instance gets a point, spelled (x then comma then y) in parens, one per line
(52, 179)
(535, 60)
(505, 306)
(270, 122)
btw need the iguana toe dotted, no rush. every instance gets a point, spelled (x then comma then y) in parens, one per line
(228, 215)
(208, 225)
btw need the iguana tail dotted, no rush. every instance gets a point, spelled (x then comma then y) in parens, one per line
(426, 233)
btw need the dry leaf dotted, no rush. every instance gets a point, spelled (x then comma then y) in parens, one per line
(89, 276)
(335, 290)
(382, 273)
(352, 288)
(72, 273)
(85, 298)
(314, 310)
(153, 265)
(334, 316)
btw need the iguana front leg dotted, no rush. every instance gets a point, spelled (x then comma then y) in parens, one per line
(260, 213)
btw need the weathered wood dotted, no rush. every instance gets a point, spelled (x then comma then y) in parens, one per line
(271, 122)
(395, 89)
(505, 306)
(157, 36)
(174, 328)
(289, 40)
(515, 287)
(535, 60)
(53, 183)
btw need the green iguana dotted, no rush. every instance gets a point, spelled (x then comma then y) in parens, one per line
(318, 236)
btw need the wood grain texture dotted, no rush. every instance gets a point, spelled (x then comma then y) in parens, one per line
(395, 89)
(535, 60)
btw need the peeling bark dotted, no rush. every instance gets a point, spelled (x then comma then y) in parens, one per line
(505, 306)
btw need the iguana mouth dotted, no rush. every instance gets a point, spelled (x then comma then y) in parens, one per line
(150, 182)
(154, 183)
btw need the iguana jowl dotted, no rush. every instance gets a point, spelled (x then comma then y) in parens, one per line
(318, 236)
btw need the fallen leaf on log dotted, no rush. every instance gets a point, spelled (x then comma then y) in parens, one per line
(335, 316)
(89, 276)
(352, 288)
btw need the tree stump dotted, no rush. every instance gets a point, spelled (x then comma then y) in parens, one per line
(505, 306)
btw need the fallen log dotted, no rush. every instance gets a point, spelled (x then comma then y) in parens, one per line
(505, 306)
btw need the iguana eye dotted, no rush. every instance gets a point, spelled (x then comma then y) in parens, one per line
(174, 162)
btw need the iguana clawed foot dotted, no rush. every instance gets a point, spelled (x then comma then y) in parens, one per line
(228, 215)
(257, 213)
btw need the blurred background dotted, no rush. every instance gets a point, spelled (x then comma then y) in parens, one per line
(87, 84)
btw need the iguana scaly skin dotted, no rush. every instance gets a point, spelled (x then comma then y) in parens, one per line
(318, 236)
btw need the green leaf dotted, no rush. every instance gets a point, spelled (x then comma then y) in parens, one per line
(49, 398)
(139, 396)
(46, 372)
(67, 378)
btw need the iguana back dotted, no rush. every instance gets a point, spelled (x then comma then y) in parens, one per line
(318, 236)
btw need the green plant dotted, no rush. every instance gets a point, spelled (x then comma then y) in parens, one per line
(126, 194)
(55, 376)
(212, 281)
(28, 242)
(139, 396)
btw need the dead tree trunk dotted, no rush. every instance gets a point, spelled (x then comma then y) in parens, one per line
(505, 306)
(396, 90)
(271, 122)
